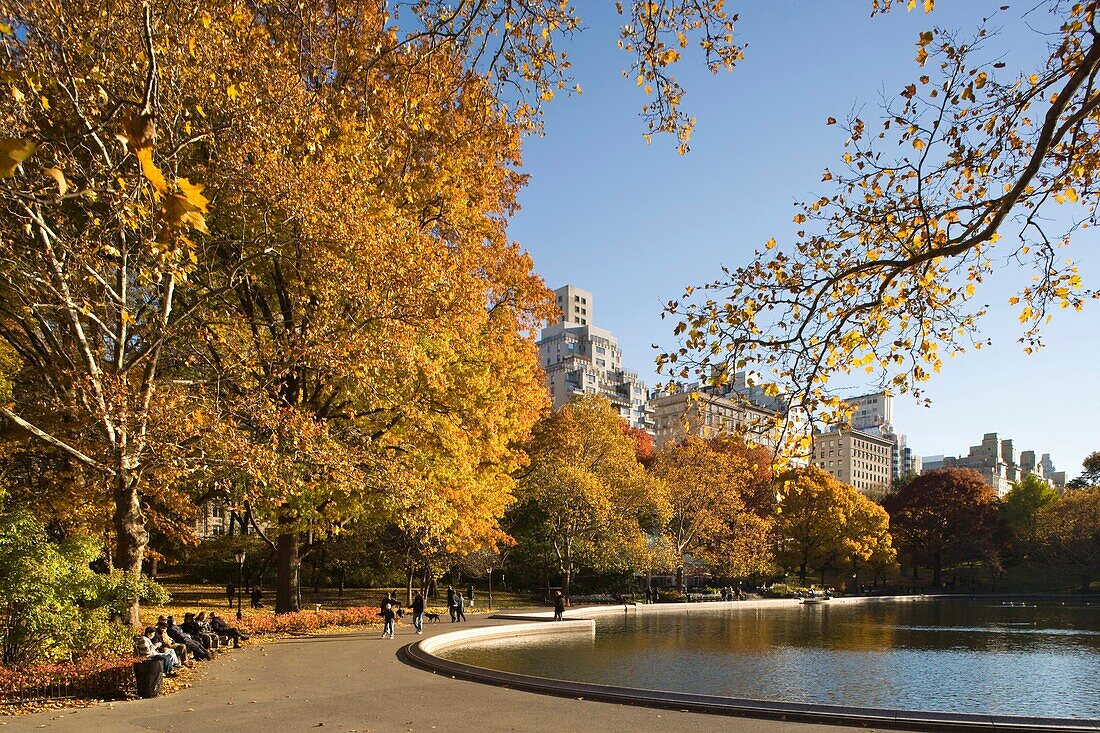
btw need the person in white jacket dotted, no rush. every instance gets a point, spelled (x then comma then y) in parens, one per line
(144, 647)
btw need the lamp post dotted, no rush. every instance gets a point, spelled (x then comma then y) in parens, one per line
(854, 585)
(240, 572)
(489, 573)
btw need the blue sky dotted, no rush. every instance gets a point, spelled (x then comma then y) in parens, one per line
(635, 223)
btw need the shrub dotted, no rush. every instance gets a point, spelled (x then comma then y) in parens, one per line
(304, 622)
(92, 677)
(53, 605)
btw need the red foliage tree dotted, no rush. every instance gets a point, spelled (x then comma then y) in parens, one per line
(945, 517)
(643, 443)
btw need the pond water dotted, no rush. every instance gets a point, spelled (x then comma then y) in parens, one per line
(1038, 659)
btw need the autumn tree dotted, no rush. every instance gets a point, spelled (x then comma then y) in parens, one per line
(964, 168)
(585, 480)
(102, 207)
(709, 521)
(1021, 507)
(945, 517)
(1091, 475)
(822, 522)
(1069, 530)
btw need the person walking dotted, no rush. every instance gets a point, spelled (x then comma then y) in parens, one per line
(230, 590)
(460, 614)
(388, 615)
(451, 602)
(559, 605)
(418, 612)
(648, 595)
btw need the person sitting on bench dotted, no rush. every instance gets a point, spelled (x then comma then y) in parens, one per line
(221, 628)
(145, 647)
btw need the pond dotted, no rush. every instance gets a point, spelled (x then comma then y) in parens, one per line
(1034, 659)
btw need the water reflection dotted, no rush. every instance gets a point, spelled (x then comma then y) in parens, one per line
(933, 655)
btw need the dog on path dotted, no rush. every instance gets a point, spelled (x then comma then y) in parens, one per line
(432, 617)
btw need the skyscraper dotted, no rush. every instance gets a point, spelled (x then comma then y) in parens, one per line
(581, 358)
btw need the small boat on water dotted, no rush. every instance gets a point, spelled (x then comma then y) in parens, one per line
(813, 601)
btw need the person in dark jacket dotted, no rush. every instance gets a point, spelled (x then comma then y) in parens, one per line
(257, 597)
(230, 590)
(460, 614)
(451, 602)
(388, 615)
(221, 628)
(198, 651)
(192, 628)
(418, 612)
(559, 605)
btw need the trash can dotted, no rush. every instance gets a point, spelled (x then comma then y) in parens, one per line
(149, 676)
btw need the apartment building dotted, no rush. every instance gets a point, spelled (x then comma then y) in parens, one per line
(996, 460)
(860, 459)
(706, 412)
(581, 358)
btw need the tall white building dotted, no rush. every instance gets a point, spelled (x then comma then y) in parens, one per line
(581, 358)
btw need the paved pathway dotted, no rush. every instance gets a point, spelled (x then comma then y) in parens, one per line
(358, 683)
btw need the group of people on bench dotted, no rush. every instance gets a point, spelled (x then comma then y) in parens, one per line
(198, 637)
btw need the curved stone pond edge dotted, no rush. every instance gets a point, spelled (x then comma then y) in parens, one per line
(579, 621)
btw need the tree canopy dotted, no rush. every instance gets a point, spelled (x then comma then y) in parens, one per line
(710, 521)
(822, 522)
(596, 500)
(946, 516)
(969, 165)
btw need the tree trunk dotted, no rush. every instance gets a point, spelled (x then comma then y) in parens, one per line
(680, 577)
(937, 570)
(341, 577)
(409, 573)
(131, 536)
(288, 568)
(566, 579)
(802, 573)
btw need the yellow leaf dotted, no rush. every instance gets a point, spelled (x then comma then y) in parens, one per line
(918, 143)
(178, 211)
(770, 244)
(12, 153)
(912, 4)
(799, 218)
(6, 29)
(1071, 195)
(969, 290)
(193, 193)
(232, 92)
(929, 5)
(57, 175)
(150, 170)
